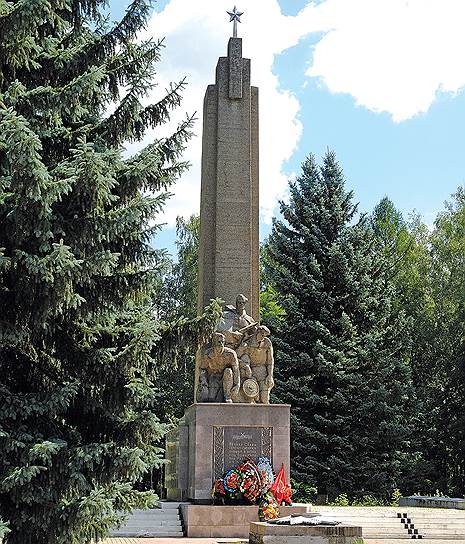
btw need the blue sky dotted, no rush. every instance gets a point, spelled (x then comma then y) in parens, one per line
(384, 95)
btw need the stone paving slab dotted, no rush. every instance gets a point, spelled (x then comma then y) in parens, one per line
(229, 541)
(404, 540)
(164, 540)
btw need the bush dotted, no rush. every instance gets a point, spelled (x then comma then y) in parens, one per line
(368, 500)
(304, 493)
(396, 495)
(340, 500)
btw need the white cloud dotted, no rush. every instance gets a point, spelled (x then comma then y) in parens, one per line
(196, 35)
(392, 56)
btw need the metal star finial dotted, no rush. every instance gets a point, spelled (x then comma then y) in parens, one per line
(235, 16)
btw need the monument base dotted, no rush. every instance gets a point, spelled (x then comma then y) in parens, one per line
(432, 502)
(226, 521)
(265, 533)
(213, 438)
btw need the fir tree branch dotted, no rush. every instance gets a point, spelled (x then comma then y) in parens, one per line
(126, 30)
(130, 120)
(187, 335)
(98, 49)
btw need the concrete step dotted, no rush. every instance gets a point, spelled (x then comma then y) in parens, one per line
(156, 516)
(390, 524)
(167, 505)
(137, 530)
(386, 536)
(352, 515)
(457, 526)
(379, 540)
(170, 512)
(150, 523)
(154, 522)
(434, 533)
(440, 529)
(381, 533)
(431, 524)
(438, 515)
(390, 510)
(149, 534)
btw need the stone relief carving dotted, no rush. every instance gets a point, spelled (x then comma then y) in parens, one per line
(236, 323)
(219, 379)
(238, 367)
(256, 358)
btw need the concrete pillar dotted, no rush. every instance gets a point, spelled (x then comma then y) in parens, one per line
(229, 237)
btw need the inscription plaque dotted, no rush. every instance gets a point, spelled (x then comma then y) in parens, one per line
(233, 444)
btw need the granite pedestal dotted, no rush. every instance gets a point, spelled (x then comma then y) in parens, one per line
(215, 437)
(265, 533)
(202, 521)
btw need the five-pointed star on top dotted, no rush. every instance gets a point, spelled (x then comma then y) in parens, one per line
(235, 15)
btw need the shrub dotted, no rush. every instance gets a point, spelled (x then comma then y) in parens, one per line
(340, 500)
(303, 492)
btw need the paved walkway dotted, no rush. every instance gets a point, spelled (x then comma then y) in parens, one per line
(230, 541)
(163, 540)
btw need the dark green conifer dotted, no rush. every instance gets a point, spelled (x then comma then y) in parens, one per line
(80, 343)
(338, 350)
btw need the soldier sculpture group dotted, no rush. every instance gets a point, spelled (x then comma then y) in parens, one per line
(238, 365)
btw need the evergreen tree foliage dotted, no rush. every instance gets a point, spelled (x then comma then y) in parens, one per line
(181, 283)
(405, 248)
(80, 341)
(338, 350)
(446, 380)
(175, 384)
(426, 267)
(391, 235)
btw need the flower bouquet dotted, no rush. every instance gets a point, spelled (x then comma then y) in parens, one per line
(218, 490)
(233, 483)
(266, 473)
(254, 484)
(268, 507)
(251, 486)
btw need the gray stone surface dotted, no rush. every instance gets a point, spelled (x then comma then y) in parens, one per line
(263, 533)
(229, 249)
(433, 502)
(153, 522)
(235, 443)
(176, 470)
(206, 449)
(203, 521)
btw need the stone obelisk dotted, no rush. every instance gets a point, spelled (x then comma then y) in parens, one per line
(229, 243)
(217, 433)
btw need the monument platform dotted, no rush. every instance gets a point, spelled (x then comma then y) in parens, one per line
(433, 502)
(227, 521)
(265, 533)
(213, 438)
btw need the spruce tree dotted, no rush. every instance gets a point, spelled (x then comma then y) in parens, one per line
(338, 350)
(80, 343)
(405, 248)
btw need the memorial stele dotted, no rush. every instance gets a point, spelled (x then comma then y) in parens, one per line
(229, 235)
(231, 417)
(229, 231)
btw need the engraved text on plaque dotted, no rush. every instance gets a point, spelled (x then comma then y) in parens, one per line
(232, 445)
